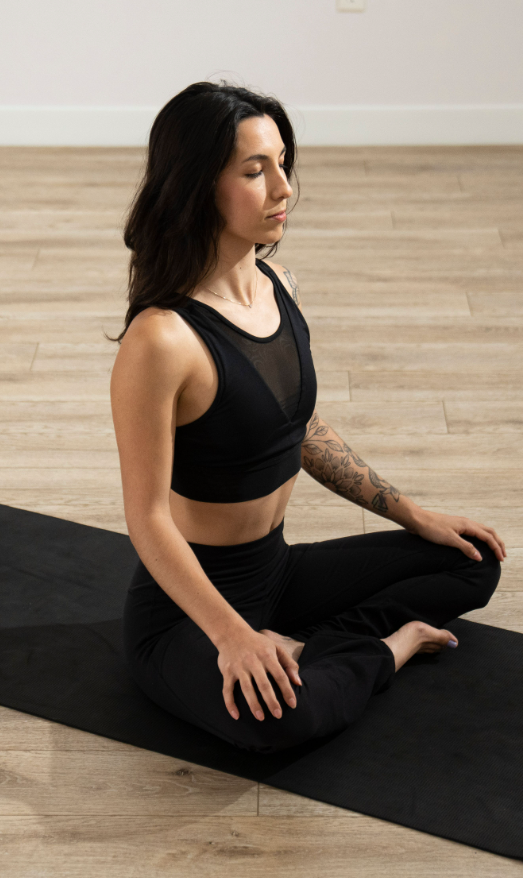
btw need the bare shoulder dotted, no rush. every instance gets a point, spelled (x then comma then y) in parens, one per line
(158, 346)
(288, 280)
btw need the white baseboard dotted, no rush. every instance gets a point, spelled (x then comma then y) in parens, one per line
(408, 125)
(352, 125)
(75, 126)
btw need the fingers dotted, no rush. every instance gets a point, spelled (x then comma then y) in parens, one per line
(283, 666)
(273, 665)
(497, 547)
(468, 549)
(271, 658)
(249, 693)
(228, 697)
(266, 690)
(498, 539)
(291, 668)
(251, 697)
(489, 536)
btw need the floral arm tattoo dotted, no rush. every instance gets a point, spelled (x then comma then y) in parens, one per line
(330, 461)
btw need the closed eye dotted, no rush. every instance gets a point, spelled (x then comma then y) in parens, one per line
(282, 167)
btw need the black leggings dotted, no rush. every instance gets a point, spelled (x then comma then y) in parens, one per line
(340, 596)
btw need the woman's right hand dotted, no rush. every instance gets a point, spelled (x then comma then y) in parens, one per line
(249, 654)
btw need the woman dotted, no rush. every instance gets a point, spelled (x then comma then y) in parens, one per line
(213, 394)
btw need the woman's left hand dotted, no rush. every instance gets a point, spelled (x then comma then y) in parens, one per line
(447, 529)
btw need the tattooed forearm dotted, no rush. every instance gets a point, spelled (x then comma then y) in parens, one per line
(293, 283)
(330, 461)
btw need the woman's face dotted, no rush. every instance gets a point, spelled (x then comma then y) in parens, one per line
(254, 185)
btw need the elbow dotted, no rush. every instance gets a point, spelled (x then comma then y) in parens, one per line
(145, 525)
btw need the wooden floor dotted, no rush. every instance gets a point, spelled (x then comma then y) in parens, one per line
(410, 263)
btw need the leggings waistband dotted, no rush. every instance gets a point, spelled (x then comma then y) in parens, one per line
(245, 568)
(228, 566)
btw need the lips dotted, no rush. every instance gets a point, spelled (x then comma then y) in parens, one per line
(280, 214)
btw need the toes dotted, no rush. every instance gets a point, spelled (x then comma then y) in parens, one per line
(450, 637)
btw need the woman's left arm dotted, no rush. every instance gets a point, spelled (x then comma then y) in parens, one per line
(329, 460)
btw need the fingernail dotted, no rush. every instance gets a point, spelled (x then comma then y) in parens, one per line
(235, 714)
(452, 643)
(277, 713)
(478, 556)
(292, 702)
(258, 714)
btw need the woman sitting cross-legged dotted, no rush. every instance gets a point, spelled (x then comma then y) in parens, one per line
(213, 392)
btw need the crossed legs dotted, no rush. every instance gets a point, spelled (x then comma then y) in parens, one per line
(344, 599)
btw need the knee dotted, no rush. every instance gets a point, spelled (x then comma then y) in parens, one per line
(488, 571)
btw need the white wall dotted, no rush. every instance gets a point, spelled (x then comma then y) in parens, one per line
(403, 71)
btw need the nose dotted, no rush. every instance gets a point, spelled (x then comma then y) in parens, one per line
(282, 188)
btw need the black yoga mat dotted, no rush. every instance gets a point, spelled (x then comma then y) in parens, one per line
(441, 751)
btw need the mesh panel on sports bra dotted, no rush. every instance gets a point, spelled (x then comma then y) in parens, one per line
(277, 361)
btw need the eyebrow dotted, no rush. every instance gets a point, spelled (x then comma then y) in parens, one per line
(260, 156)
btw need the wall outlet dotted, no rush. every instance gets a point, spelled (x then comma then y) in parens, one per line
(351, 5)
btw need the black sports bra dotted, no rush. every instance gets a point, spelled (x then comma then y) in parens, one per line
(248, 442)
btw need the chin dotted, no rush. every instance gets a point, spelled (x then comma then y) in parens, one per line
(271, 237)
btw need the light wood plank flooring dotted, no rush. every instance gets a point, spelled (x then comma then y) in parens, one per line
(410, 263)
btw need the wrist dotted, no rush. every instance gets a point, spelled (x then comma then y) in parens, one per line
(230, 630)
(409, 515)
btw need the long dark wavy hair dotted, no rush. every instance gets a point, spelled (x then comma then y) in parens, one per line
(172, 225)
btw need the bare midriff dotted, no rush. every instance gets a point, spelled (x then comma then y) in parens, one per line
(226, 524)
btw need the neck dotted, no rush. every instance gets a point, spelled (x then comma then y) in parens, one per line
(235, 275)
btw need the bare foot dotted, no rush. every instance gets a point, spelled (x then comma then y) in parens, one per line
(416, 637)
(293, 647)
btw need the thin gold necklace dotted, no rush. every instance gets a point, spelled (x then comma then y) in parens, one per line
(234, 301)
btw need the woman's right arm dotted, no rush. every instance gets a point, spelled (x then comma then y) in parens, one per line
(151, 369)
